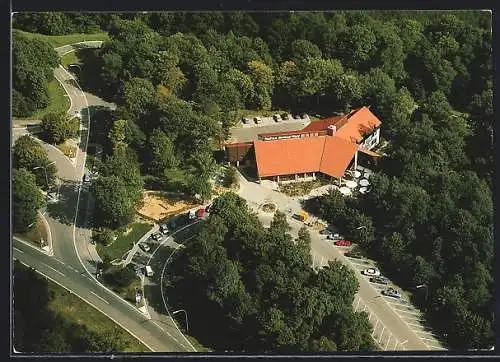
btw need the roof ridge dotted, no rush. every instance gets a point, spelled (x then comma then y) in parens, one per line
(323, 152)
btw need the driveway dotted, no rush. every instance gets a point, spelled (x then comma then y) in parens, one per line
(390, 328)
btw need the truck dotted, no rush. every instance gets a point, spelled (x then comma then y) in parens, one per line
(149, 271)
(301, 216)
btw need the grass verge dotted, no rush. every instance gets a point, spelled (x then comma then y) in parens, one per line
(124, 241)
(67, 150)
(70, 58)
(72, 308)
(58, 101)
(36, 233)
(300, 188)
(60, 40)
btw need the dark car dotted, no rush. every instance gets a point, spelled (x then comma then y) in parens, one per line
(354, 255)
(343, 243)
(156, 236)
(296, 116)
(379, 280)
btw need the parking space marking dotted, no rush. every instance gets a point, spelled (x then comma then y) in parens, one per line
(415, 325)
(429, 339)
(419, 320)
(440, 348)
(427, 333)
(409, 312)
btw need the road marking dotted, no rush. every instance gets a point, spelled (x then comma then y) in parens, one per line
(415, 325)
(440, 348)
(428, 333)
(101, 298)
(429, 339)
(60, 261)
(376, 324)
(57, 271)
(409, 312)
(381, 334)
(20, 251)
(405, 341)
(385, 348)
(158, 326)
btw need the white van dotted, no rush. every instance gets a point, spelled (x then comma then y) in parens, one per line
(149, 271)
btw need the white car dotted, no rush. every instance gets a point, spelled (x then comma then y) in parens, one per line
(144, 247)
(371, 272)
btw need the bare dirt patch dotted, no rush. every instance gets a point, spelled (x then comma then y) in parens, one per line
(159, 205)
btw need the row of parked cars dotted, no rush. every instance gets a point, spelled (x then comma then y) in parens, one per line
(337, 238)
(277, 118)
(377, 278)
(373, 273)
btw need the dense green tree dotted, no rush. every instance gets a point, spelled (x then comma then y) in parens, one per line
(33, 61)
(357, 46)
(137, 96)
(263, 81)
(26, 199)
(30, 155)
(58, 127)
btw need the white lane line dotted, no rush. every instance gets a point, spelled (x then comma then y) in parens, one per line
(409, 312)
(415, 325)
(405, 341)
(429, 339)
(59, 261)
(385, 348)
(425, 332)
(159, 326)
(57, 271)
(440, 348)
(101, 298)
(18, 250)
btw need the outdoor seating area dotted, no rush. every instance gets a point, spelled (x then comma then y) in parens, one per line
(355, 181)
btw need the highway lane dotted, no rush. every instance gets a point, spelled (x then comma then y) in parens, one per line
(165, 339)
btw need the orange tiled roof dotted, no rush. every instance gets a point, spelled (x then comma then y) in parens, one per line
(288, 156)
(359, 123)
(323, 124)
(337, 155)
(326, 154)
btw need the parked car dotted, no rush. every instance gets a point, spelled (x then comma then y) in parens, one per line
(371, 272)
(164, 229)
(200, 213)
(277, 118)
(304, 116)
(149, 271)
(191, 214)
(296, 116)
(156, 236)
(343, 243)
(325, 232)
(245, 120)
(257, 120)
(285, 116)
(144, 247)
(354, 254)
(391, 292)
(379, 280)
(334, 237)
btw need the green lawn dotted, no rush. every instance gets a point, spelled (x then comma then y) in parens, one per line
(124, 242)
(70, 58)
(60, 40)
(72, 308)
(58, 102)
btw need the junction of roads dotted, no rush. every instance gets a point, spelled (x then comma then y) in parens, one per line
(70, 259)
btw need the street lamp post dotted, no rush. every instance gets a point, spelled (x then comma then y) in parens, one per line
(185, 314)
(45, 172)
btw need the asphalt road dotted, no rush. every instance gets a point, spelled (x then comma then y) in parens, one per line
(81, 284)
(396, 328)
(74, 261)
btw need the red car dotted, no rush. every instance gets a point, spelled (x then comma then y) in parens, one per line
(343, 243)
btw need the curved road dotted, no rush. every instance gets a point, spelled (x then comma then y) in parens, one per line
(74, 261)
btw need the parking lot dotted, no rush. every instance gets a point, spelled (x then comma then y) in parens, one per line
(401, 306)
(248, 132)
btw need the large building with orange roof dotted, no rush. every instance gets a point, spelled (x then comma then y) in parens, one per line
(328, 146)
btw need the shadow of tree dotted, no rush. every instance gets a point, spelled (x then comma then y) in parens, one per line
(64, 209)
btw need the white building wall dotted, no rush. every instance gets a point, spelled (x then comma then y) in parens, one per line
(372, 140)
